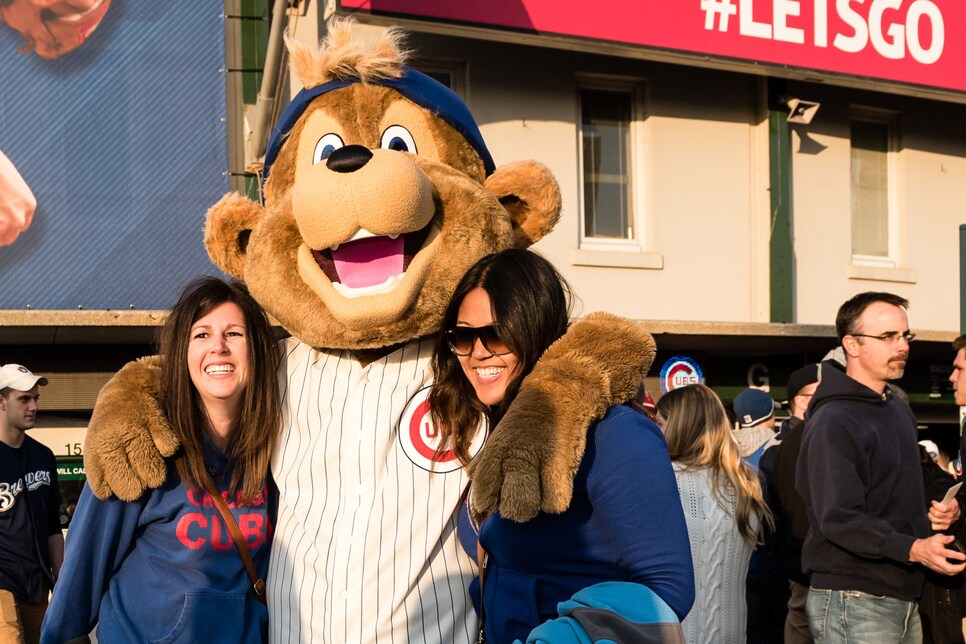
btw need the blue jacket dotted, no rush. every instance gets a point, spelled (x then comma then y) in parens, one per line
(162, 567)
(611, 612)
(625, 524)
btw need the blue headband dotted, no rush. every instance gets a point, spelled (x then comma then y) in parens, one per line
(419, 88)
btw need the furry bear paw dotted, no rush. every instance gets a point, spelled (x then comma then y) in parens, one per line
(129, 436)
(529, 461)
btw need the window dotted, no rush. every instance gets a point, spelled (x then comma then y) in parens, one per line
(452, 74)
(874, 216)
(610, 123)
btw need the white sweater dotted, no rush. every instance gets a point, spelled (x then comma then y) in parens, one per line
(721, 559)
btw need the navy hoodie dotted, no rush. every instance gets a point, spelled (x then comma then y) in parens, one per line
(860, 478)
(163, 568)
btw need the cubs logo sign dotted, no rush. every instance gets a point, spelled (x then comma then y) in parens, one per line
(420, 438)
(680, 371)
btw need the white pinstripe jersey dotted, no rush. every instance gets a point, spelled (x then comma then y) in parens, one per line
(365, 545)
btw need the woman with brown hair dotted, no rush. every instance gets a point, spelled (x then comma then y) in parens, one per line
(723, 507)
(165, 567)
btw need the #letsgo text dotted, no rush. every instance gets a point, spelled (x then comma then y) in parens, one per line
(894, 31)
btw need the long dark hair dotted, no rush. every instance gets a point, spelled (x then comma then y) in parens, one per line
(253, 440)
(531, 309)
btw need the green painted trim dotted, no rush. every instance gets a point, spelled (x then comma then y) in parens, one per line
(254, 42)
(252, 188)
(780, 241)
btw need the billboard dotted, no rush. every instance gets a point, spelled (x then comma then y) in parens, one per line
(112, 120)
(920, 42)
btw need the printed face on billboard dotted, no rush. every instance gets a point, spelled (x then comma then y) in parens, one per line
(112, 147)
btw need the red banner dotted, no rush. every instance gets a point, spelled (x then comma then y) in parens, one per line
(922, 42)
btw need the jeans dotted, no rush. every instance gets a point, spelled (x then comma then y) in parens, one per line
(854, 617)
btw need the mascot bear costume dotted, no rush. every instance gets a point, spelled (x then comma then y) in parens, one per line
(379, 194)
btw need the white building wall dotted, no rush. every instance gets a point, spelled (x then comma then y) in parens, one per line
(705, 173)
(931, 184)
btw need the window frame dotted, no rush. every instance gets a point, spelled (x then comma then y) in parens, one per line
(636, 89)
(889, 118)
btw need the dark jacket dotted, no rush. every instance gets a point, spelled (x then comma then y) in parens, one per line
(790, 518)
(860, 478)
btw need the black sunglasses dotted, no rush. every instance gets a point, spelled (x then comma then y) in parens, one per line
(462, 338)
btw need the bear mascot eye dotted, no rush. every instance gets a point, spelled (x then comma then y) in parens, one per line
(326, 146)
(398, 138)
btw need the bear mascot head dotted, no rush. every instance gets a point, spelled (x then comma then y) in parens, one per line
(379, 194)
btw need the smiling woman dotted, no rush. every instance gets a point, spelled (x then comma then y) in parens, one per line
(219, 392)
(218, 365)
(629, 568)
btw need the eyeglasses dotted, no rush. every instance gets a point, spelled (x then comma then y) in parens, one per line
(892, 337)
(462, 338)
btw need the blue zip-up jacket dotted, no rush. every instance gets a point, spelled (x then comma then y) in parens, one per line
(860, 478)
(624, 524)
(162, 568)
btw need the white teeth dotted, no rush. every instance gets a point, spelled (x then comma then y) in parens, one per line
(490, 372)
(375, 289)
(362, 233)
(219, 368)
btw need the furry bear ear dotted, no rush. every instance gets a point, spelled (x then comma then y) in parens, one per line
(228, 225)
(530, 195)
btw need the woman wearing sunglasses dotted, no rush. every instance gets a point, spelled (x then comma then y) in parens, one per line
(623, 540)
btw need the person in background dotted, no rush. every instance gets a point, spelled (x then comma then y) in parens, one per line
(164, 567)
(621, 546)
(943, 600)
(767, 585)
(723, 506)
(791, 522)
(959, 395)
(755, 417)
(860, 477)
(31, 543)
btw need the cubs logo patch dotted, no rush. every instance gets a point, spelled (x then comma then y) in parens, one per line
(420, 439)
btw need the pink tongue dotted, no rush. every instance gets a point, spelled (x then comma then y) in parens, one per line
(369, 262)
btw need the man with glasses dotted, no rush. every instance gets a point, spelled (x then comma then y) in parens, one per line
(859, 475)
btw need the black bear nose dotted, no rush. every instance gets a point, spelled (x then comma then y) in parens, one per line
(349, 158)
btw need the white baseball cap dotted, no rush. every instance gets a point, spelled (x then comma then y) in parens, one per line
(19, 377)
(931, 448)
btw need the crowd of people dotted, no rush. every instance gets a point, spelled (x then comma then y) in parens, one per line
(683, 525)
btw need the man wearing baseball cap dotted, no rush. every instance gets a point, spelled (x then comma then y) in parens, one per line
(791, 519)
(31, 543)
